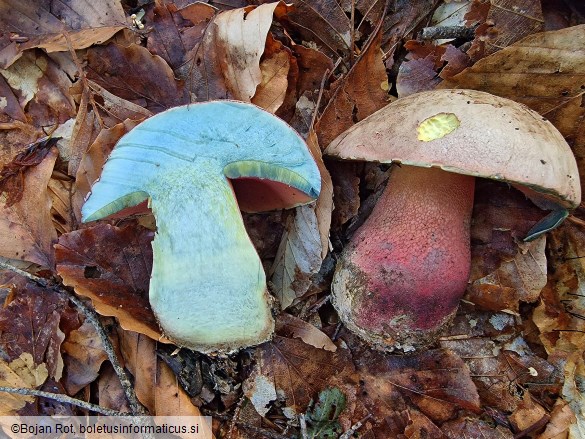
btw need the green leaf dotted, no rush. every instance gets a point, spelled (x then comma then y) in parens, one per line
(322, 420)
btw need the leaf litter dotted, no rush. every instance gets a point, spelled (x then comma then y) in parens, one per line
(509, 366)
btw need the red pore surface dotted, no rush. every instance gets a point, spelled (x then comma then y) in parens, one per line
(402, 275)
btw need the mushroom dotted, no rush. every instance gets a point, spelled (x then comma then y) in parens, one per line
(207, 287)
(399, 280)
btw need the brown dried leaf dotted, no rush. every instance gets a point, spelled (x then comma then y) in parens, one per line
(305, 242)
(29, 323)
(111, 266)
(561, 419)
(134, 74)
(22, 372)
(437, 381)
(139, 354)
(359, 94)
(416, 76)
(544, 71)
(322, 22)
(86, 22)
(503, 23)
(274, 67)
(116, 109)
(171, 399)
(293, 327)
(26, 228)
(527, 414)
(84, 355)
(10, 108)
(60, 192)
(517, 280)
(110, 392)
(41, 88)
(299, 371)
(471, 427)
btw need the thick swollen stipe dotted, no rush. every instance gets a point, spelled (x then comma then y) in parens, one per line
(401, 277)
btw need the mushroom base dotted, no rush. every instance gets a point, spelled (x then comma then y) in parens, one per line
(399, 280)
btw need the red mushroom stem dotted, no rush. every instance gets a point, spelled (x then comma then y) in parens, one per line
(405, 270)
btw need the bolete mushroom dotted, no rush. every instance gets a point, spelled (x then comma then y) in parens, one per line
(207, 288)
(400, 278)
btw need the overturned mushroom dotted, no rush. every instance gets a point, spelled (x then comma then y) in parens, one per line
(400, 278)
(208, 287)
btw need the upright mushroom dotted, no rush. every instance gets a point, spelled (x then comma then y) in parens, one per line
(208, 287)
(400, 278)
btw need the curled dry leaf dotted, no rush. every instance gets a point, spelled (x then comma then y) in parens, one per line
(472, 427)
(291, 326)
(26, 229)
(111, 266)
(22, 372)
(44, 25)
(305, 242)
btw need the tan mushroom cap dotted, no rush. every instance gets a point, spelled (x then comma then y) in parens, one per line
(472, 133)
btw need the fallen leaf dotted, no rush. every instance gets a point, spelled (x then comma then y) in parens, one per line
(26, 228)
(416, 76)
(359, 94)
(291, 326)
(29, 323)
(134, 74)
(472, 427)
(561, 419)
(436, 381)
(299, 371)
(305, 242)
(84, 355)
(44, 25)
(503, 22)
(518, 280)
(22, 372)
(41, 88)
(110, 392)
(260, 390)
(111, 266)
(274, 68)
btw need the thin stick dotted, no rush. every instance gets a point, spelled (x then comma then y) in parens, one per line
(64, 399)
(349, 433)
(135, 406)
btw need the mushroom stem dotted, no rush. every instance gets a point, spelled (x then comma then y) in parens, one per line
(201, 240)
(402, 275)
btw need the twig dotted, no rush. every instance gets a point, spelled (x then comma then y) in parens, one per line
(135, 406)
(303, 424)
(349, 433)
(261, 432)
(447, 32)
(64, 399)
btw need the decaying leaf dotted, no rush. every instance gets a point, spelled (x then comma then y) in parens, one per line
(298, 371)
(134, 74)
(323, 417)
(503, 22)
(291, 326)
(274, 68)
(84, 355)
(26, 228)
(30, 323)
(112, 266)
(41, 88)
(22, 372)
(45, 25)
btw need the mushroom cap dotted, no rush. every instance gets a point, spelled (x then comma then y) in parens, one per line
(242, 140)
(469, 132)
